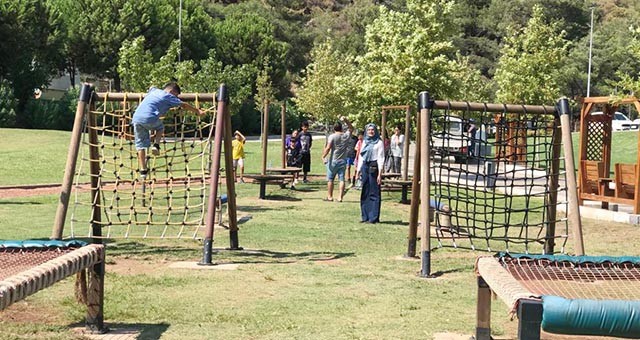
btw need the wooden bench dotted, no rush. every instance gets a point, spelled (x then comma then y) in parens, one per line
(625, 180)
(398, 183)
(276, 179)
(597, 187)
(595, 183)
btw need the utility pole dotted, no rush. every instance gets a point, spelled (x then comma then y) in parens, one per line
(590, 48)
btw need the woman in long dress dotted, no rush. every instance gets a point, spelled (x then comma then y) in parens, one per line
(370, 165)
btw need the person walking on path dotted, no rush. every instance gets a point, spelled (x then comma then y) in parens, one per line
(305, 150)
(370, 163)
(237, 152)
(335, 155)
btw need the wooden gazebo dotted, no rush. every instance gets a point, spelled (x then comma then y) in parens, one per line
(595, 165)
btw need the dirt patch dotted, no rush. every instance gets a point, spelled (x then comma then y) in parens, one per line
(26, 312)
(127, 266)
(27, 191)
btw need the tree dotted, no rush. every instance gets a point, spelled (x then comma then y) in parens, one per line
(409, 52)
(97, 29)
(319, 93)
(30, 50)
(529, 66)
(630, 82)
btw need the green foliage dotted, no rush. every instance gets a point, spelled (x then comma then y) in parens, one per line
(409, 52)
(319, 95)
(30, 50)
(528, 69)
(56, 114)
(629, 78)
(7, 105)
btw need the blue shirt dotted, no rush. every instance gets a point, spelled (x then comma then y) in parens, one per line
(155, 104)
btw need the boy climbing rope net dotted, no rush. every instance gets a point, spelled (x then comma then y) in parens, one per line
(146, 118)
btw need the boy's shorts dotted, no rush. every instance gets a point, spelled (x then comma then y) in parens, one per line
(238, 162)
(336, 168)
(141, 132)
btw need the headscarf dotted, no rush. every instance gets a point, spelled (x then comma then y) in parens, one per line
(369, 142)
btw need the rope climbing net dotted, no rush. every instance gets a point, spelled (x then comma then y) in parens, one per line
(497, 178)
(171, 201)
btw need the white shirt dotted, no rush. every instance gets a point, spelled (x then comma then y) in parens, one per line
(377, 155)
(397, 142)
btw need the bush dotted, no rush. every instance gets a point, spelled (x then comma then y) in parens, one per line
(7, 105)
(52, 114)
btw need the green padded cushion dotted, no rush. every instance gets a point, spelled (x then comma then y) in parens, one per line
(41, 243)
(591, 317)
(574, 259)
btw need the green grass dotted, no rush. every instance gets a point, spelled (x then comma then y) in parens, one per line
(309, 271)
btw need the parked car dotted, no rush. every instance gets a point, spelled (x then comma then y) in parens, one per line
(621, 122)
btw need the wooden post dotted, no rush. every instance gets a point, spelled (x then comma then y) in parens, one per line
(70, 168)
(483, 311)
(94, 168)
(95, 297)
(415, 195)
(383, 132)
(424, 105)
(234, 243)
(265, 132)
(636, 195)
(582, 151)
(572, 190)
(283, 133)
(407, 141)
(222, 99)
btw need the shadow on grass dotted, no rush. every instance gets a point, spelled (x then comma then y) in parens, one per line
(254, 208)
(449, 271)
(282, 198)
(19, 203)
(143, 249)
(397, 222)
(306, 189)
(269, 256)
(149, 331)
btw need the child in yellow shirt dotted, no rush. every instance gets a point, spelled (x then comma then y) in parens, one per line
(237, 152)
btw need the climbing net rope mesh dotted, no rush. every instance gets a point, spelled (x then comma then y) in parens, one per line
(171, 201)
(498, 180)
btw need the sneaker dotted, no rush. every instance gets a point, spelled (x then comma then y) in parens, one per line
(155, 150)
(144, 173)
(305, 181)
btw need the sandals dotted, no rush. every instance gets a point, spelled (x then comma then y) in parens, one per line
(326, 199)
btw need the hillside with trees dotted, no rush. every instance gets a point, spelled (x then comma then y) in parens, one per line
(325, 58)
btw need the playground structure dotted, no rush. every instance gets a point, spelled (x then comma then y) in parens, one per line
(497, 200)
(277, 176)
(402, 179)
(594, 169)
(583, 295)
(27, 267)
(180, 196)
